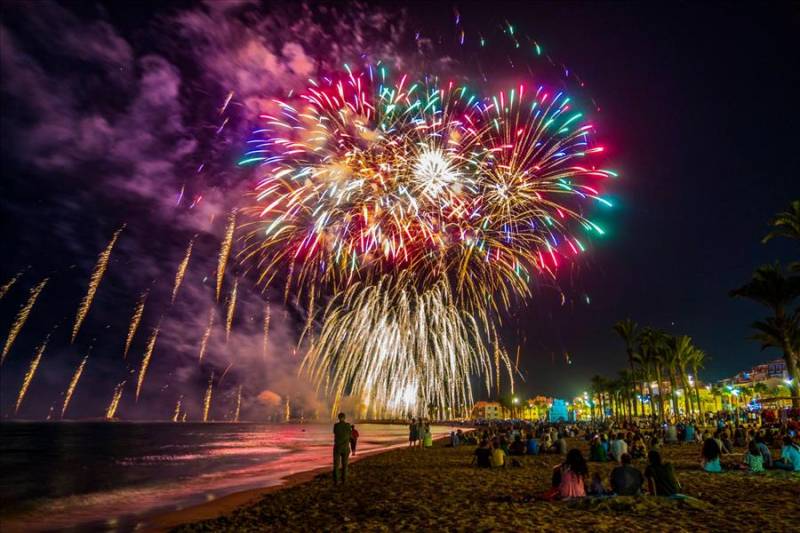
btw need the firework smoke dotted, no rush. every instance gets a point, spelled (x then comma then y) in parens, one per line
(112, 407)
(21, 317)
(151, 344)
(206, 334)
(94, 283)
(207, 399)
(72, 384)
(182, 270)
(231, 310)
(225, 251)
(26, 382)
(134, 325)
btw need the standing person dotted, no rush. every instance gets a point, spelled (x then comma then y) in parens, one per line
(353, 438)
(342, 432)
(427, 437)
(413, 433)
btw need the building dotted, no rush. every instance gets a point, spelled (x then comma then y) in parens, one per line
(487, 411)
(771, 374)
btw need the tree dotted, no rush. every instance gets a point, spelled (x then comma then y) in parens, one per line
(680, 349)
(653, 346)
(771, 288)
(628, 330)
(598, 389)
(787, 225)
(697, 361)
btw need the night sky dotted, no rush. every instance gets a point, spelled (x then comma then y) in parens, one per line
(108, 110)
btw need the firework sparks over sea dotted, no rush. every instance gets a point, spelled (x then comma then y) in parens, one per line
(22, 317)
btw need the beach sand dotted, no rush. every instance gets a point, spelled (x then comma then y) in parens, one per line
(437, 489)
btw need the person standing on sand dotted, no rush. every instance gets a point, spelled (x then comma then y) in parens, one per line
(353, 438)
(413, 433)
(342, 432)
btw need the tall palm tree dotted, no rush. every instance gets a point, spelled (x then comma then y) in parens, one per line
(787, 225)
(628, 391)
(771, 288)
(653, 345)
(598, 388)
(697, 361)
(679, 349)
(628, 330)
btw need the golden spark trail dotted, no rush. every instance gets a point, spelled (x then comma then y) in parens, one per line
(112, 407)
(135, 320)
(231, 310)
(21, 317)
(146, 360)
(10, 283)
(225, 251)
(94, 283)
(238, 404)
(176, 415)
(225, 373)
(207, 399)
(206, 335)
(182, 270)
(26, 382)
(265, 346)
(72, 384)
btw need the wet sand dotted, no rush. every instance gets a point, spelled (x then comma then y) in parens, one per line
(437, 489)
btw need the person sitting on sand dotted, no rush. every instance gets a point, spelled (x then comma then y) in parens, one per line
(739, 436)
(483, 455)
(727, 444)
(498, 457)
(661, 479)
(547, 443)
(688, 433)
(710, 456)
(626, 480)
(596, 487)
(753, 459)
(672, 433)
(604, 443)
(570, 476)
(638, 448)
(341, 448)
(766, 455)
(353, 439)
(596, 451)
(517, 447)
(560, 445)
(790, 456)
(618, 447)
(532, 445)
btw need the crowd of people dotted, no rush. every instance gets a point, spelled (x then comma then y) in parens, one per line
(499, 444)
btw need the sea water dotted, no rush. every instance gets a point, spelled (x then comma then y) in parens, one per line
(113, 476)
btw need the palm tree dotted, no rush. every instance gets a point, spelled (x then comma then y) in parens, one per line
(629, 331)
(679, 350)
(652, 344)
(697, 360)
(787, 225)
(771, 288)
(598, 387)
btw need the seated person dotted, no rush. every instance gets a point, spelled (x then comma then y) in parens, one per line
(688, 435)
(765, 453)
(596, 487)
(597, 452)
(638, 448)
(626, 480)
(483, 455)
(517, 447)
(790, 456)
(618, 447)
(560, 445)
(710, 456)
(570, 476)
(661, 479)
(498, 458)
(753, 458)
(532, 445)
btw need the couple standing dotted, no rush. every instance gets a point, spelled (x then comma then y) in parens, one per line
(419, 432)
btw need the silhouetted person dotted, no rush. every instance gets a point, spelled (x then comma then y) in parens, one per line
(342, 433)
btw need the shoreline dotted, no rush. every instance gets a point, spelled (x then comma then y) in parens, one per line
(229, 503)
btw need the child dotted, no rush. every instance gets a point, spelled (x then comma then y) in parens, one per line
(753, 458)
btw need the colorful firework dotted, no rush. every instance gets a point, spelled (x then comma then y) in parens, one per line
(225, 251)
(439, 197)
(94, 283)
(111, 410)
(21, 317)
(72, 384)
(206, 334)
(182, 270)
(135, 321)
(207, 398)
(26, 381)
(148, 353)
(231, 309)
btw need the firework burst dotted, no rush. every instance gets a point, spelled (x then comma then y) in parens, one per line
(238, 404)
(231, 309)
(94, 283)
(265, 341)
(111, 410)
(135, 321)
(207, 398)
(148, 353)
(10, 283)
(182, 270)
(225, 251)
(26, 381)
(21, 317)
(206, 334)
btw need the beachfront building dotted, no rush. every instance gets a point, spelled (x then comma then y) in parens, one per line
(487, 411)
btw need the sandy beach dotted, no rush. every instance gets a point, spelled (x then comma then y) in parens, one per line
(438, 489)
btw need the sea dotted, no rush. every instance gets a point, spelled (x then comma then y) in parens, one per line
(115, 476)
